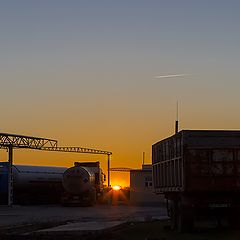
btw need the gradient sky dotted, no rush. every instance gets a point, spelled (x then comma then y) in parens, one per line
(83, 72)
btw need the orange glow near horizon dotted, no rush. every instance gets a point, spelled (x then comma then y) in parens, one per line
(120, 179)
(116, 188)
(103, 76)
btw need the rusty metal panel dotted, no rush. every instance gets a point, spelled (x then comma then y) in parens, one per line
(212, 169)
(194, 160)
(212, 138)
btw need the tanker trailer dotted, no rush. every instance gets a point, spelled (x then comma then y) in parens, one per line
(36, 184)
(83, 184)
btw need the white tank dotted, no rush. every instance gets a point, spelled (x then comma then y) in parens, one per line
(25, 176)
(78, 180)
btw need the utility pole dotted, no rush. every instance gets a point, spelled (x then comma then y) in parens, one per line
(108, 169)
(10, 175)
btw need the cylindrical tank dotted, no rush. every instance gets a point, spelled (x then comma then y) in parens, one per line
(37, 184)
(78, 180)
(25, 176)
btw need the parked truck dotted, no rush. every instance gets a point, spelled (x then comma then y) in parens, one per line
(199, 173)
(83, 184)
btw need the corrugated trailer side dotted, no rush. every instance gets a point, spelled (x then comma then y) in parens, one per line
(3, 182)
(167, 160)
(212, 161)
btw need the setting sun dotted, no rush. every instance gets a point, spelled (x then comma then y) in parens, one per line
(116, 188)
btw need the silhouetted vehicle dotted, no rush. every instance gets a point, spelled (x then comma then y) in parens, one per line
(32, 184)
(83, 184)
(78, 185)
(199, 173)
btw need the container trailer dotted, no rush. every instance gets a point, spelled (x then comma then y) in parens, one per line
(199, 173)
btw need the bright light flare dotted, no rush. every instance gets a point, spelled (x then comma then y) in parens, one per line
(116, 188)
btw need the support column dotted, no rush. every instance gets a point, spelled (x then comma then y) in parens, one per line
(10, 176)
(108, 170)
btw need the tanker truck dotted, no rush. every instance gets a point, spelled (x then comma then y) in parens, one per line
(83, 184)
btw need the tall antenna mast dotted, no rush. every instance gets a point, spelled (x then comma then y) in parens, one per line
(143, 160)
(176, 122)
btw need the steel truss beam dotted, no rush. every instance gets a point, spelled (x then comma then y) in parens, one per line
(20, 141)
(76, 150)
(120, 169)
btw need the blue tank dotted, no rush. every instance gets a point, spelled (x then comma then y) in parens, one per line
(3, 182)
(32, 184)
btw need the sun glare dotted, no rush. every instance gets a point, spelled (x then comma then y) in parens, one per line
(116, 188)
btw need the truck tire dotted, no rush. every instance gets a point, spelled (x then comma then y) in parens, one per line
(93, 197)
(173, 213)
(234, 217)
(185, 219)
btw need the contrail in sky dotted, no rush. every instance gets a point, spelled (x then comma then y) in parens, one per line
(172, 76)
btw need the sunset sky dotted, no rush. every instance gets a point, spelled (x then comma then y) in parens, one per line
(84, 72)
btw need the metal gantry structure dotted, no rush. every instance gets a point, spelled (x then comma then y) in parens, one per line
(121, 169)
(12, 141)
(75, 150)
(20, 141)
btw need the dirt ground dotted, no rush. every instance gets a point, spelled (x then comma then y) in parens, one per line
(137, 223)
(19, 215)
(160, 230)
(22, 222)
(154, 230)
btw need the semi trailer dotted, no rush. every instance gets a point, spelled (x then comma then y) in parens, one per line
(32, 184)
(198, 171)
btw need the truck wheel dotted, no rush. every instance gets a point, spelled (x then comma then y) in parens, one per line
(234, 217)
(93, 197)
(185, 219)
(173, 214)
